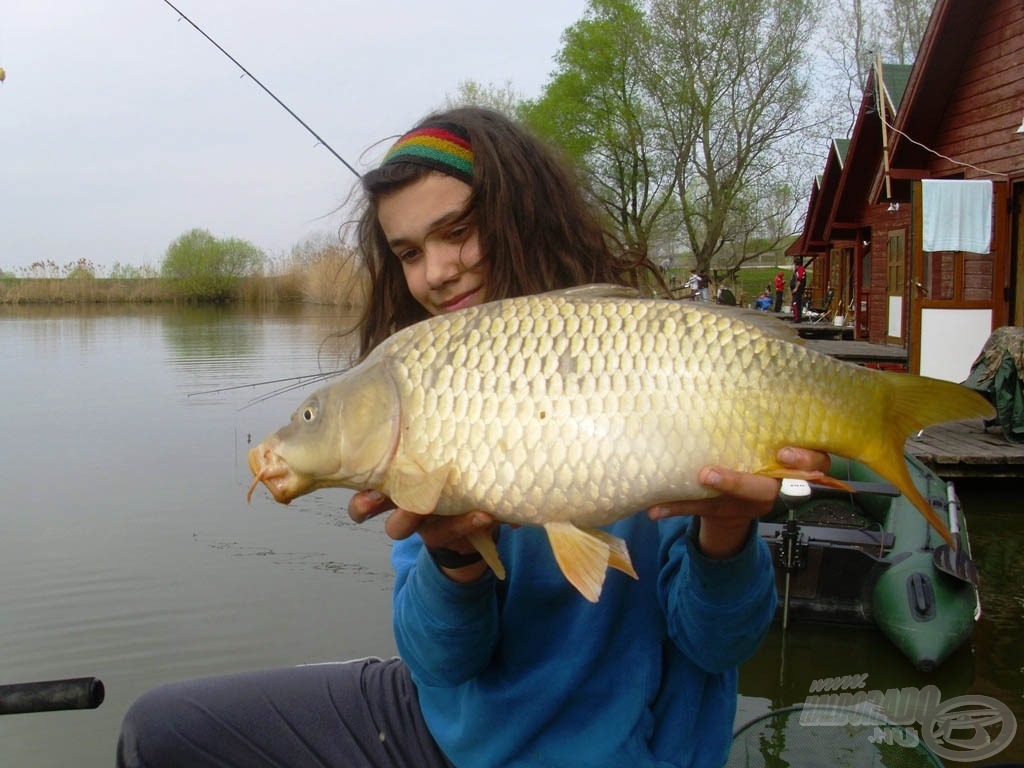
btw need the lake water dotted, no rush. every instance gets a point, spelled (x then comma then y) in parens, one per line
(128, 551)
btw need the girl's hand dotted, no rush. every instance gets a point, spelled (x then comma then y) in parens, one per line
(725, 519)
(437, 531)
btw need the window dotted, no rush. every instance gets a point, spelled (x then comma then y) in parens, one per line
(896, 261)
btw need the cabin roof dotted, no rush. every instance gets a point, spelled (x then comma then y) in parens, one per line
(945, 46)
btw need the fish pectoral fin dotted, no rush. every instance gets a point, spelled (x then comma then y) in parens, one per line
(484, 544)
(413, 488)
(811, 476)
(584, 556)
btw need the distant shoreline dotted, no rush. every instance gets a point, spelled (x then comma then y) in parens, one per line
(157, 290)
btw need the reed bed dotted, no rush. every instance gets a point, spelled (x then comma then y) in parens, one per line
(329, 276)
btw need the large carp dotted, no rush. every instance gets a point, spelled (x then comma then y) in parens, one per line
(573, 409)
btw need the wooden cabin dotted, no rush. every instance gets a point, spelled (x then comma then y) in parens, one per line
(956, 115)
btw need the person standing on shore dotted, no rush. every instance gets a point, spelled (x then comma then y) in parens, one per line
(798, 284)
(780, 288)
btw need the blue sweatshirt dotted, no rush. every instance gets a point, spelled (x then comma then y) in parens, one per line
(526, 672)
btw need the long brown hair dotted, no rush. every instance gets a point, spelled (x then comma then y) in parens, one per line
(535, 227)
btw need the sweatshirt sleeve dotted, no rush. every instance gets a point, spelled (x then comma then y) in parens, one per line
(717, 611)
(446, 632)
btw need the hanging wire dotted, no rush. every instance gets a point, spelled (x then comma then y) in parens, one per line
(268, 91)
(939, 154)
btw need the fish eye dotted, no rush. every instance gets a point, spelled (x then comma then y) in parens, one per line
(307, 412)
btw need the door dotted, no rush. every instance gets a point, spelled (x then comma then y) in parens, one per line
(957, 298)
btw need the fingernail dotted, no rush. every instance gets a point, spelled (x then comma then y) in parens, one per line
(787, 456)
(481, 521)
(657, 513)
(712, 477)
(374, 496)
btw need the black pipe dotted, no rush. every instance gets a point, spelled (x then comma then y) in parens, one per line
(51, 695)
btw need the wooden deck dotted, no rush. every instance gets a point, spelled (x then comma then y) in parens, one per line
(967, 449)
(883, 356)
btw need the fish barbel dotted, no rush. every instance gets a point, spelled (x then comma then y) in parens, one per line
(576, 408)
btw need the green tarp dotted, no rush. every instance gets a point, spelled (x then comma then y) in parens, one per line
(998, 373)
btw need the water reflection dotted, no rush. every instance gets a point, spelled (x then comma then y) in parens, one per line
(129, 551)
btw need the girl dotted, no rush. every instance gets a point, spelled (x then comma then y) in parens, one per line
(465, 208)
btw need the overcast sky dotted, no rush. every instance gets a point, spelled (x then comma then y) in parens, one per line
(122, 127)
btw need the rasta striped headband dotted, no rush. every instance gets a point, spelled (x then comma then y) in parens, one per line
(443, 147)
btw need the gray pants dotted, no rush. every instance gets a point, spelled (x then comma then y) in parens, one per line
(357, 714)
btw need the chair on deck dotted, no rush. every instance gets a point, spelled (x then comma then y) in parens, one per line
(824, 313)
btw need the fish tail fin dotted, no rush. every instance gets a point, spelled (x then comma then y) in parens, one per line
(918, 402)
(915, 403)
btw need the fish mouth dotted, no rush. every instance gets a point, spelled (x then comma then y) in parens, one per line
(270, 469)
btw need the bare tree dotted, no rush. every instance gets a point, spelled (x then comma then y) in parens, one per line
(852, 34)
(906, 21)
(854, 31)
(504, 98)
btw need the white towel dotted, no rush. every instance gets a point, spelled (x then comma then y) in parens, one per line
(956, 215)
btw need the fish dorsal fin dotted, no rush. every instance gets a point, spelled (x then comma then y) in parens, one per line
(584, 555)
(484, 544)
(765, 322)
(413, 488)
(596, 291)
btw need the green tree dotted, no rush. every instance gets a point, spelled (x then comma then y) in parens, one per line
(685, 115)
(205, 268)
(598, 108)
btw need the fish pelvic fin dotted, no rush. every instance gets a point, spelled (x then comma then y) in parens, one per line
(584, 556)
(916, 402)
(618, 554)
(484, 544)
(812, 476)
(416, 489)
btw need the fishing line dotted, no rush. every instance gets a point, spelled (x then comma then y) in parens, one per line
(301, 381)
(268, 91)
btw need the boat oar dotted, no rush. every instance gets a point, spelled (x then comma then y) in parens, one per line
(952, 560)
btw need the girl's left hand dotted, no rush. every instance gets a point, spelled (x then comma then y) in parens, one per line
(725, 519)
(448, 531)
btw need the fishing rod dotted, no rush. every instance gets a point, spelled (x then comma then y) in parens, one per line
(268, 91)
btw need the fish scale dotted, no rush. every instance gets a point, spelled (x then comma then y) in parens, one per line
(573, 409)
(544, 387)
